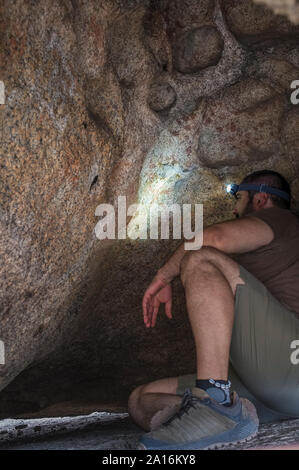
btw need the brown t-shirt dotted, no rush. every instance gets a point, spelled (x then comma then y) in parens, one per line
(276, 265)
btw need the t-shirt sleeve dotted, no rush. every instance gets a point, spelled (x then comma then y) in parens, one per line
(278, 219)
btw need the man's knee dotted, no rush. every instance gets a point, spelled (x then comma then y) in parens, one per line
(168, 386)
(198, 259)
(135, 396)
(150, 404)
(133, 399)
(209, 260)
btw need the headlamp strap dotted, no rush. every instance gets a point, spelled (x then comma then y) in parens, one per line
(263, 188)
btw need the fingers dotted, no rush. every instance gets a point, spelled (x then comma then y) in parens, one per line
(148, 300)
(150, 317)
(150, 311)
(168, 306)
(154, 316)
(155, 309)
(146, 310)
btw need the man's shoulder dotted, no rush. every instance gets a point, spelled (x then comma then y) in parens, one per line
(280, 220)
(273, 212)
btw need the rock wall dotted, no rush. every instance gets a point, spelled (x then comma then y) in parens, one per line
(160, 101)
(289, 8)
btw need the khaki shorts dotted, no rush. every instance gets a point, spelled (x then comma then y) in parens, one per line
(261, 368)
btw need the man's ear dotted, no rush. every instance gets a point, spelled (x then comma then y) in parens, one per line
(262, 199)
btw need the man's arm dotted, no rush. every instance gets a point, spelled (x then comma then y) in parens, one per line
(234, 236)
(159, 289)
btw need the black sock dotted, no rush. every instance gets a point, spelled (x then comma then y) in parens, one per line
(219, 390)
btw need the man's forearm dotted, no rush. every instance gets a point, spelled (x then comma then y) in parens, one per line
(172, 267)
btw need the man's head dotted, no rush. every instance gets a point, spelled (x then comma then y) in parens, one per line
(251, 201)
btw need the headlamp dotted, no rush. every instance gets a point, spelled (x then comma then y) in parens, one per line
(260, 188)
(232, 189)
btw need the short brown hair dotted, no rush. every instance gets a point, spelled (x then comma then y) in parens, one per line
(273, 179)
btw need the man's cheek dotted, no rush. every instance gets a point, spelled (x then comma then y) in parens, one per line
(248, 208)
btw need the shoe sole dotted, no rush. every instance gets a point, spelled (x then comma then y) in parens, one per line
(250, 429)
(229, 444)
(216, 446)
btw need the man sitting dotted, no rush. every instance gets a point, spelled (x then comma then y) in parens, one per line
(242, 297)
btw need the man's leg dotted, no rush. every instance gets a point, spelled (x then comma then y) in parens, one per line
(210, 278)
(210, 302)
(263, 333)
(149, 405)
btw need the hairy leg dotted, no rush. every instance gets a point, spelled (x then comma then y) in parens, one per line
(210, 278)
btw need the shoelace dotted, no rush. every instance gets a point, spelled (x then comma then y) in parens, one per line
(188, 402)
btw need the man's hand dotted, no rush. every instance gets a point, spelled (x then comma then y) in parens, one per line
(159, 291)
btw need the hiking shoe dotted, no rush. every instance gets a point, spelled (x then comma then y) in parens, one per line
(202, 423)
